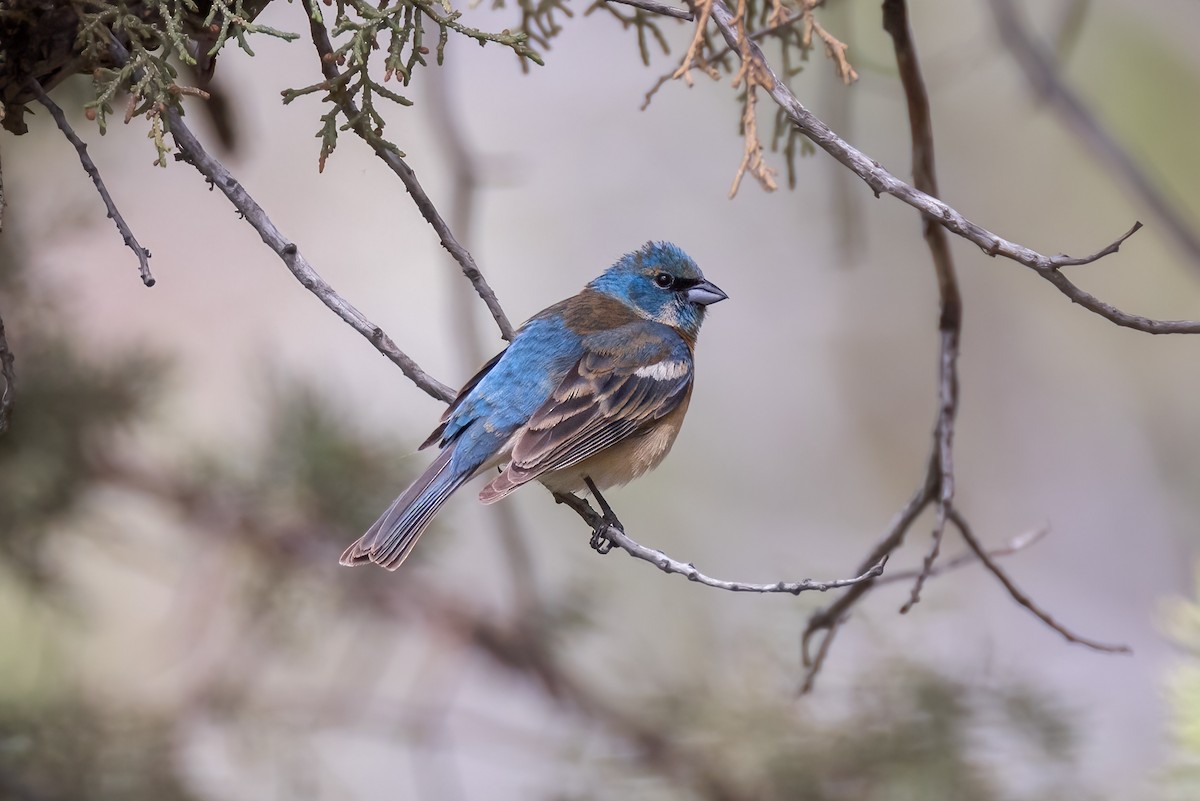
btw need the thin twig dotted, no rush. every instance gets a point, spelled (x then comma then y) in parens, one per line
(191, 151)
(617, 536)
(1040, 69)
(8, 372)
(360, 124)
(460, 160)
(830, 618)
(920, 122)
(835, 49)
(1017, 544)
(883, 182)
(965, 529)
(655, 7)
(143, 255)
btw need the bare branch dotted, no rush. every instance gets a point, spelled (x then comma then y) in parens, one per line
(143, 255)
(191, 151)
(961, 524)
(920, 121)
(883, 182)
(361, 125)
(1115, 315)
(655, 7)
(1040, 69)
(830, 618)
(8, 372)
(1015, 545)
(610, 529)
(750, 78)
(834, 47)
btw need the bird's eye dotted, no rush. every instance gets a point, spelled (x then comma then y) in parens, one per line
(664, 280)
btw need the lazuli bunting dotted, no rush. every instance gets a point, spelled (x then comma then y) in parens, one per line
(594, 387)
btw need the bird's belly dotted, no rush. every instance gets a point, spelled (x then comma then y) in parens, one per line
(623, 462)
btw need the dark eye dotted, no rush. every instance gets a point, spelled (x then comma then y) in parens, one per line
(664, 280)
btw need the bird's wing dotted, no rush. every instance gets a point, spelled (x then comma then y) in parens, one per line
(625, 379)
(436, 436)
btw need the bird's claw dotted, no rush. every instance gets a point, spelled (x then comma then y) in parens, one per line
(600, 542)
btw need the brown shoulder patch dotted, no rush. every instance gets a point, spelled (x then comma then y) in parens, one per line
(590, 312)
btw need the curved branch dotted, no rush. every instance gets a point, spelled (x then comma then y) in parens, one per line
(361, 125)
(920, 121)
(963, 528)
(883, 182)
(60, 119)
(191, 151)
(610, 529)
(830, 618)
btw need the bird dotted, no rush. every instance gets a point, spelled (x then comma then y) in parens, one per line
(590, 394)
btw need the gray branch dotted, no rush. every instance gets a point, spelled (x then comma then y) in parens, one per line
(191, 151)
(143, 255)
(615, 534)
(655, 7)
(883, 182)
(361, 125)
(1021, 598)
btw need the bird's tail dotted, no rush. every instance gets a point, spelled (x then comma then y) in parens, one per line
(393, 536)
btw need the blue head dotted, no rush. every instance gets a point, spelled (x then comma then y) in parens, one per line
(662, 283)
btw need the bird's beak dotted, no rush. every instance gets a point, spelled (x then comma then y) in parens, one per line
(704, 293)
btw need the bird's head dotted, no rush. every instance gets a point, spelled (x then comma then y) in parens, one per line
(662, 283)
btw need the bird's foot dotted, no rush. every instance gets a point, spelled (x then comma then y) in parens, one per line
(601, 542)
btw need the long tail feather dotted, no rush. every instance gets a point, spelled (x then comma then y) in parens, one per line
(393, 536)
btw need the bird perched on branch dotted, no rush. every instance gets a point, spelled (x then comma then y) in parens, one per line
(592, 389)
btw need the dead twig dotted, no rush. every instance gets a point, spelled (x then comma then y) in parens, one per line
(192, 152)
(828, 620)
(834, 48)
(1024, 600)
(750, 77)
(1014, 546)
(89, 166)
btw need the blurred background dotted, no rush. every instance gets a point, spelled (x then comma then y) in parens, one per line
(186, 462)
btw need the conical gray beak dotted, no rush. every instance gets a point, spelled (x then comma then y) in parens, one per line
(704, 293)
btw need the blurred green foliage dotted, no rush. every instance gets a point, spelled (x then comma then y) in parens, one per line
(1181, 621)
(70, 749)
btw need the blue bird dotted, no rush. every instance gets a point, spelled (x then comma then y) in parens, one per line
(592, 388)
